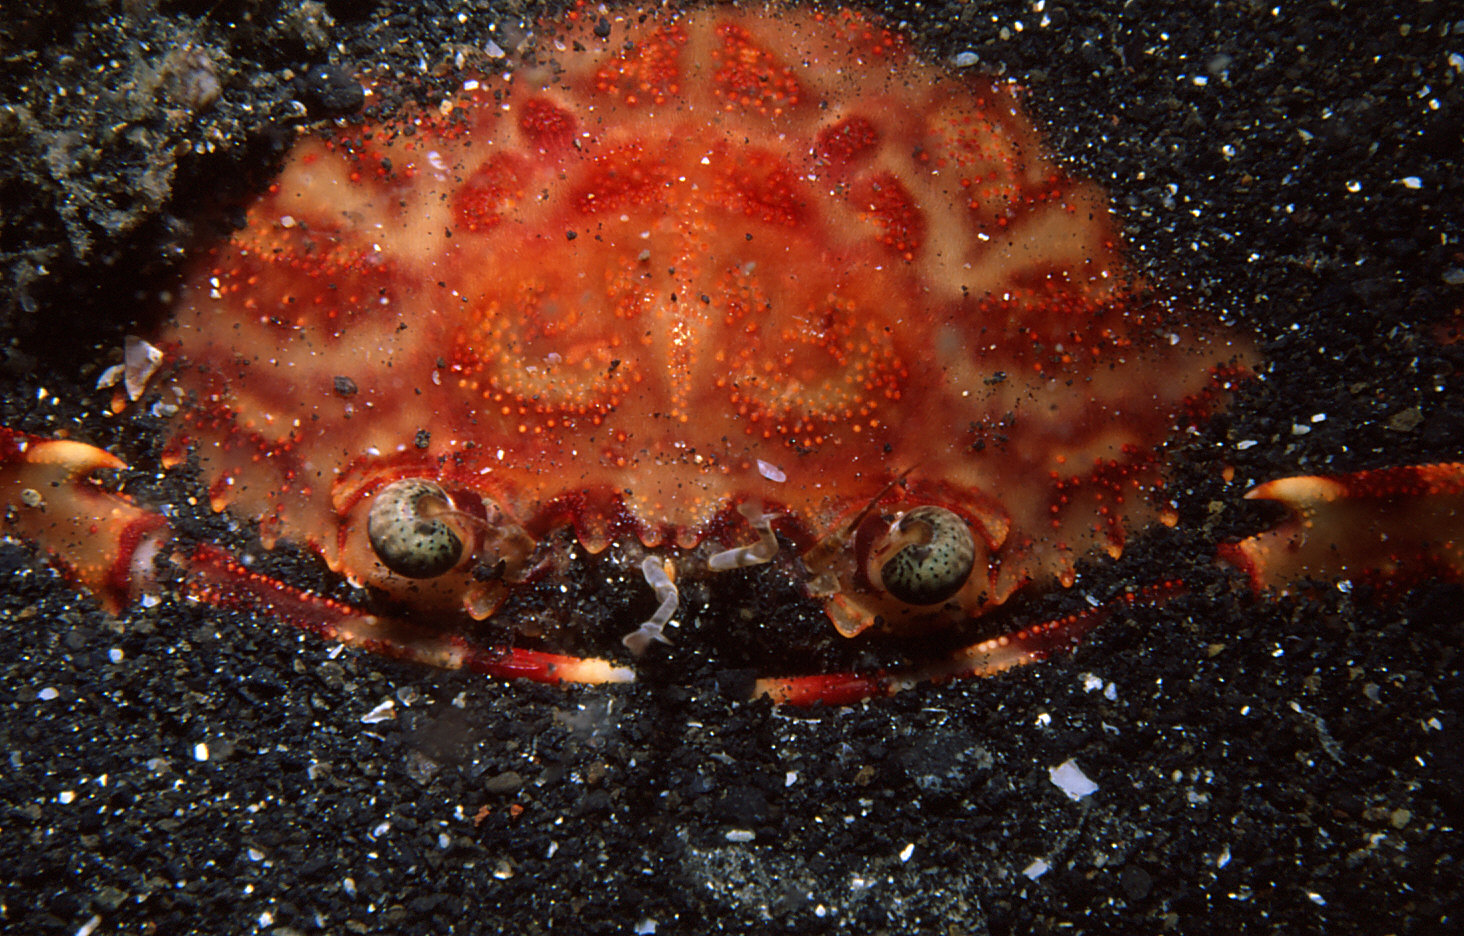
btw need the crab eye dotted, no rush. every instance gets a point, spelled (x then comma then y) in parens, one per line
(925, 557)
(409, 529)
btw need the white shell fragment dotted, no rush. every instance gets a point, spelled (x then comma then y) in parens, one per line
(140, 360)
(1069, 778)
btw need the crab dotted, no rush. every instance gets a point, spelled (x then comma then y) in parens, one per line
(686, 293)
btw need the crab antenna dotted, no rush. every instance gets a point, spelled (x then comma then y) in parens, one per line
(762, 551)
(661, 578)
(819, 555)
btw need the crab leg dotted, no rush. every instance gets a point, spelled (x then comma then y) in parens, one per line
(109, 546)
(1400, 525)
(984, 658)
(987, 658)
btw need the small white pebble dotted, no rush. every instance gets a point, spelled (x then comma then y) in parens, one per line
(47, 694)
(386, 711)
(200, 752)
(1036, 869)
(741, 835)
(906, 852)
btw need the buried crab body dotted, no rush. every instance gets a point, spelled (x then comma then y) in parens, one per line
(734, 286)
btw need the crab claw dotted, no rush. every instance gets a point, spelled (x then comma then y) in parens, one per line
(1391, 524)
(52, 498)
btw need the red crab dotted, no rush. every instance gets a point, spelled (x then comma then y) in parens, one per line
(700, 291)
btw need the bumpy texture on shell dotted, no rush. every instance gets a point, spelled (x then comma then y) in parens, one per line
(610, 288)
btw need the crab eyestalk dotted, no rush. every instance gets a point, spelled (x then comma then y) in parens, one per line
(924, 558)
(414, 529)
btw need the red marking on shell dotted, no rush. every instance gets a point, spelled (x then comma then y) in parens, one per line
(751, 78)
(546, 125)
(846, 141)
(478, 204)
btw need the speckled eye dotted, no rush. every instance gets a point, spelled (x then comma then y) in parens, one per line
(925, 558)
(409, 529)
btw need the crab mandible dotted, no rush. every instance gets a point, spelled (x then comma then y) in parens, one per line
(718, 284)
